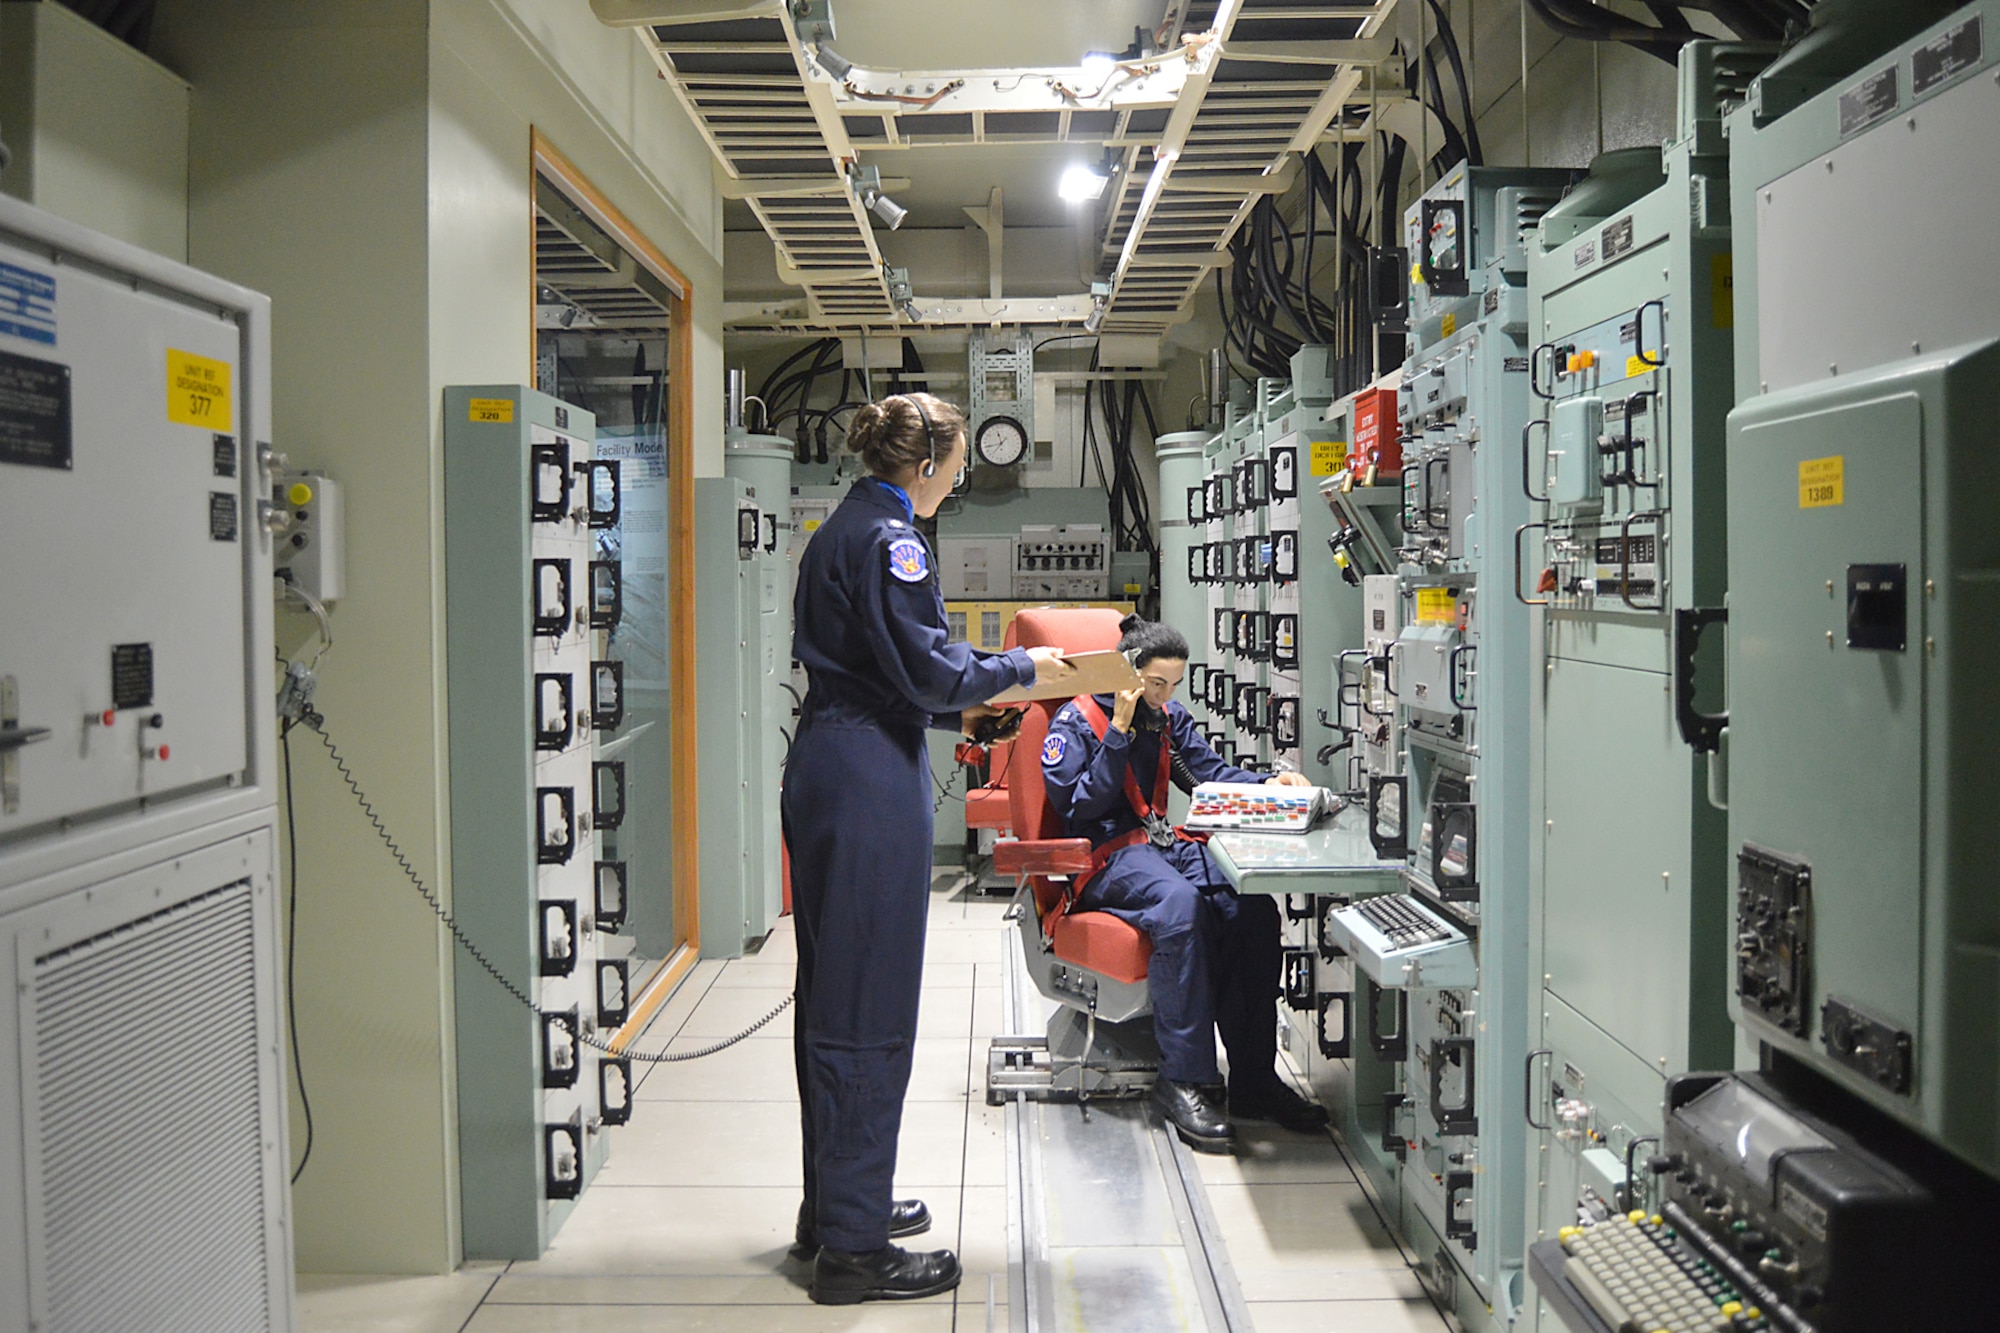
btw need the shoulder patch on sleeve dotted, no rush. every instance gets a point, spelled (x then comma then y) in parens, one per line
(1053, 747)
(908, 560)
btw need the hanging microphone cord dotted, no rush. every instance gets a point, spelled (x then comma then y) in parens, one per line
(317, 724)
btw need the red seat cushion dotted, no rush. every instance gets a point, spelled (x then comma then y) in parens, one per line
(987, 807)
(1103, 943)
(1098, 941)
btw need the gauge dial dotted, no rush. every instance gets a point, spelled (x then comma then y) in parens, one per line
(1001, 441)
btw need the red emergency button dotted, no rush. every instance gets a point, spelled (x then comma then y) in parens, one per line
(163, 754)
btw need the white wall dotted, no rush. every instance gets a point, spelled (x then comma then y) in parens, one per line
(99, 133)
(367, 164)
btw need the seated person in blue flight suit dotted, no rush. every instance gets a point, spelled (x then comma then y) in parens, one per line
(1216, 956)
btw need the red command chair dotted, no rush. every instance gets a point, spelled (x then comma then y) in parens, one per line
(1091, 964)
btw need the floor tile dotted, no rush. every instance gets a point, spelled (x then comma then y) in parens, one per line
(761, 1069)
(724, 1012)
(1412, 1315)
(964, 946)
(985, 1140)
(1268, 1155)
(929, 1316)
(1309, 1243)
(342, 1304)
(757, 1070)
(719, 1144)
(930, 1152)
(945, 1012)
(988, 1016)
(750, 1289)
(982, 1239)
(757, 973)
(706, 1231)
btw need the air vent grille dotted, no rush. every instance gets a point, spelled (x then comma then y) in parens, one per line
(149, 1159)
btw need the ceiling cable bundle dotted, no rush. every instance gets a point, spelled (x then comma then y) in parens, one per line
(1749, 20)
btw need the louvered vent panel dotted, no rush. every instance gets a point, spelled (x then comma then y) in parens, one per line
(143, 1076)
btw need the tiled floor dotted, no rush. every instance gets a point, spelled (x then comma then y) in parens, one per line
(686, 1228)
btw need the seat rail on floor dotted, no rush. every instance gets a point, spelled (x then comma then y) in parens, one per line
(1108, 1226)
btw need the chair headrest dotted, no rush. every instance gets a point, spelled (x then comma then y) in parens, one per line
(1074, 629)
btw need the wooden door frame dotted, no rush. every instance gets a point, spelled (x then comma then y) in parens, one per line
(546, 160)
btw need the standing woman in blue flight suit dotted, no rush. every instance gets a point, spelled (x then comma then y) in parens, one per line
(857, 811)
(1216, 957)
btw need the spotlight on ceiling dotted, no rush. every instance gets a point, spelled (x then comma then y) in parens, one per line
(1081, 183)
(1098, 64)
(837, 66)
(866, 182)
(1100, 297)
(891, 212)
(910, 311)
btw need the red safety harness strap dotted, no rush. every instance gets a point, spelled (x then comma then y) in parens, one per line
(1101, 855)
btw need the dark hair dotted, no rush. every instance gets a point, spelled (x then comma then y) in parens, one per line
(1147, 639)
(904, 430)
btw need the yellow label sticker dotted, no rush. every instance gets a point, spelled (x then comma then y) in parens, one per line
(1448, 326)
(198, 391)
(1822, 482)
(1328, 457)
(490, 411)
(1436, 606)
(1722, 289)
(1639, 365)
(812, 525)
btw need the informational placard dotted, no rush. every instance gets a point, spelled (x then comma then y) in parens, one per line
(34, 412)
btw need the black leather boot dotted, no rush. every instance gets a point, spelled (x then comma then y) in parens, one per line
(907, 1217)
(1195, 1113)
(888, 1274)
(1277, 1103)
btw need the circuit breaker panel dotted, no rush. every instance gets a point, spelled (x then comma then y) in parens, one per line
(528, 607)
(1861, 634)
(144, 1169)
(1445, 780)
(1632, 315)
(1256, 586)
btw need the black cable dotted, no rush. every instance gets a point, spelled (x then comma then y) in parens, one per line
(1448, 38)
(292, 947)
(473, 951)
(1063, 338)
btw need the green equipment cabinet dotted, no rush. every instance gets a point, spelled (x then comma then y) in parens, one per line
(527, 606)
(741, 653)
(1632, 315)
(764, 464)
(1864, 564)
(1447, 1040)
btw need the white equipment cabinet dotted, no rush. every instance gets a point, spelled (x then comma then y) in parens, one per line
(139, 949)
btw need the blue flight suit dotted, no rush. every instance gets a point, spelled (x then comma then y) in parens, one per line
(870, 631)
(1216, 956)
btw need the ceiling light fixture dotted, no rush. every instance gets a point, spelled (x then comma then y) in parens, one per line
(1098, 64)
(866, 182)
(1081, 183)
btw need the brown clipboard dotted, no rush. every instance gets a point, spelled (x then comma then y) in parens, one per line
(1096, 673)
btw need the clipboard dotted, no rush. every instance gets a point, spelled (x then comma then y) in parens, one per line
(1096, 673)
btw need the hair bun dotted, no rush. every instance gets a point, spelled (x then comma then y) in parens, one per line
(867, 423)
(1130, 623)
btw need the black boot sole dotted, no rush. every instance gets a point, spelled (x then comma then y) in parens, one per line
(856, 1296)
(1204, 1143)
